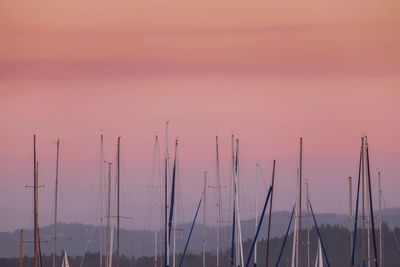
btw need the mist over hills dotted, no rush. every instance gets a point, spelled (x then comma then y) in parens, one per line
(78, 238)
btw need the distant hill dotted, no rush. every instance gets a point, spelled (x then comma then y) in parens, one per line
(76, 237)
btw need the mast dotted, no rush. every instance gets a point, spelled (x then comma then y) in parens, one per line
(350, 213)
(308, 230)
(219, 202)
(363, 201)
(108, 216)
(166, 230)
(35, 207)
(204, 218)
(380, 220)
(21, 248)
(172, 221)
(232, 255)
(300, 199)
(270, 212)
(101, 199)
(55, 207)
(371, 210)
(118, 192)
(239, 230)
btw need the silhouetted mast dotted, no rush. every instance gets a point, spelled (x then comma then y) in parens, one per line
(55, 207)
(35, 207)
(351, 213)
(204, 218)
(21, 247)
(166, 230)
(118, 196)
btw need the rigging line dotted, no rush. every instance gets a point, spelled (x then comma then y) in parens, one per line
(286, 236)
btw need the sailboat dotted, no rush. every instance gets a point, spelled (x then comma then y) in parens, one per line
(319, 260)
(65, 262)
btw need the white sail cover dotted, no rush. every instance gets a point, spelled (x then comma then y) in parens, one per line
(319, 260)
(65, 262)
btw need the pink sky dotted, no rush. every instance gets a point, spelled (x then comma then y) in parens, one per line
(269, 72)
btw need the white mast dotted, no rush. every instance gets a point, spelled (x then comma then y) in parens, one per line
(55, 207)
(239, 228)
(204, 218)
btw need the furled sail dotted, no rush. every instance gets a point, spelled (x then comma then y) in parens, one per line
(65, 262)
(319, 260)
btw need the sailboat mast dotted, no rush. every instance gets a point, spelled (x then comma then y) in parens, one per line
(21, 247)
(239, 228)
(108, 215)
(350, 213)
(219, 201)
(55, 207)
(363, 200)
(101, 199)
(204, 218)
(118, 194)
(380, 220)
(166, 230)
(35, 207)
(308, 229)
(233, 254)
(300, 200)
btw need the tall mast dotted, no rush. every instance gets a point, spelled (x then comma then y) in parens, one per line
(363, 200)
(219, 202)
(118, 197)
(35, 206)
(232, 254)
(55, 207)
(21, 248)
(204, 218)
(350, 214)
(239, 228)
(166, 230)
(380, 220)
(371, 210)
(308, 229)
(108, 215)
(299, 206)
(270, 211)
(101, 199)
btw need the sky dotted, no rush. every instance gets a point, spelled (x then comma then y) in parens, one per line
(267, 71)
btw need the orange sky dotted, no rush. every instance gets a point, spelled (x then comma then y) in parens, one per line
(269, 71)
